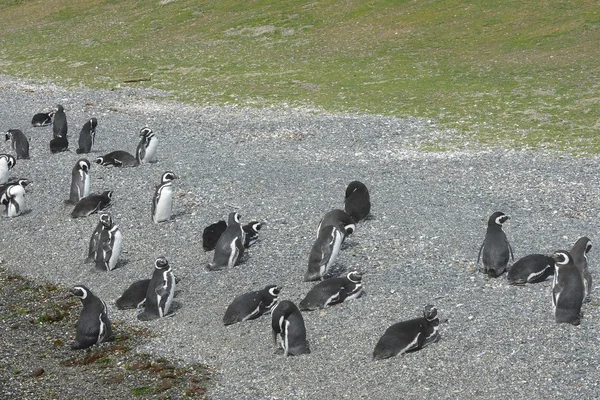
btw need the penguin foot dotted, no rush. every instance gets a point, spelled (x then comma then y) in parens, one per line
(214, 267)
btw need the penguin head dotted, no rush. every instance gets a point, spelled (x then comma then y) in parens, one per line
(497, 219)
(10, 160)
(168, 177)
(93, 123)
(430, 312)
(106, 220)
(234, 218)
(274, 290)
(80, 291)
(60, 108)
(354, 276)
(8, 135)
(561, 257)
(161, 263)
(253, 226)
(99, 160)
(108, 194)
(355, 186)
(25, 182)
(145, 132)
(350, 228)
(84, 164)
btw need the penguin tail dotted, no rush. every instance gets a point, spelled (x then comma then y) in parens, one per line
(79, 151)
(146, 316)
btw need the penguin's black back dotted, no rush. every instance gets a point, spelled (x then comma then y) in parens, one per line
(211, 235)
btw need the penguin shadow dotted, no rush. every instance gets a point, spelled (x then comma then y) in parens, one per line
(121, 263)
(26, 212)
(348, 244)
(336, 271)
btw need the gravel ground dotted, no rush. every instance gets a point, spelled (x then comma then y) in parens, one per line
(287, 167)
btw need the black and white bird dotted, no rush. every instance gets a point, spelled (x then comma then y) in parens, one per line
(13, 198)
(252, 305)
(92, 204)
(333, 291)
(93, 326)
(42, 119)
(161, 290)
(289, 331)
(568, 289)
(495, 249)
(230, 246)
(7, 162)
(407, 336)
(59, 144)
(134, 296)
(357, 203)
(105, 223)
(333, 217)
(80, 181)
(162, 201)
(117, 158)
(18, 142)
(110, 242)
(579, 252)
(87, 136)
(532, 268)
(146, 149)
(324, 251)
(251, 230)
(59, 123)
(23, 182)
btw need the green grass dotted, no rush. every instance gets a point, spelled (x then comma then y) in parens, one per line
(509, 73)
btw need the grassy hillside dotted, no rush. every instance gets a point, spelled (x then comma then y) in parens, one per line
(522, 72)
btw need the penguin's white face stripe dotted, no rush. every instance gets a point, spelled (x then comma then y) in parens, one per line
(273, 290)
(433, 335)
(501, 219)
(83, 291)
(565, 261)
(236, 218)
(356, 292)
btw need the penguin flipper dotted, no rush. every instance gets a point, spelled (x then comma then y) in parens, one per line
(480, 250)
(161, 291)
(510, 249)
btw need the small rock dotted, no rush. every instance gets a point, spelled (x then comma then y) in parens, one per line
(38, 372)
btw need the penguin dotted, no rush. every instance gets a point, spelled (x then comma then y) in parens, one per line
(337, 215)
(533, 268)
(357, 202)
(92, 204)
(568, 289)
(324, 251)
(13, 199)
(495, 247)
(93, 326)
(146, 149)
(579, 252)
(289, 332)
(22, 182)
(110, 241)
(7, 162)
(162, 201)
(59, 123)
(230, 246)
(80, 181)
(211, 235)
(117, 158)
(105, 223)
(87, 135)
(407, 336)
(134, 296)
(251, 305)
(160, 291)
(18, 142)
(251, 229)
(59, 144)
(42, 119)
(333, 291)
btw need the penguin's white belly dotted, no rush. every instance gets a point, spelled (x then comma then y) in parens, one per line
(164, 206)
(169, 278)
(16, 205)
(150, 155)
(3, 173)
(116, 249)
(86, 186)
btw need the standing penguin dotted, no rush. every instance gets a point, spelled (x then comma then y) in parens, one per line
(230, 246)
(531, 269)
(80, 181)
(289, 332)
(7, 162)
(333, 291)
(59, 124)
(251, 305)
(251, 229)
(568, 289)
(496, 248)
(408, 335)
(109, 248)
(117, 158)
(161, 290)
(134, 296)
(357, 203)
(87, 135)
(18, 142)
(146, 149)
(14, 200)
(105, 224)
(93, 326)
(324, 251)
(42, 119)
(333, 217)
(92, 204)
(162, 202)
(579, 252)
